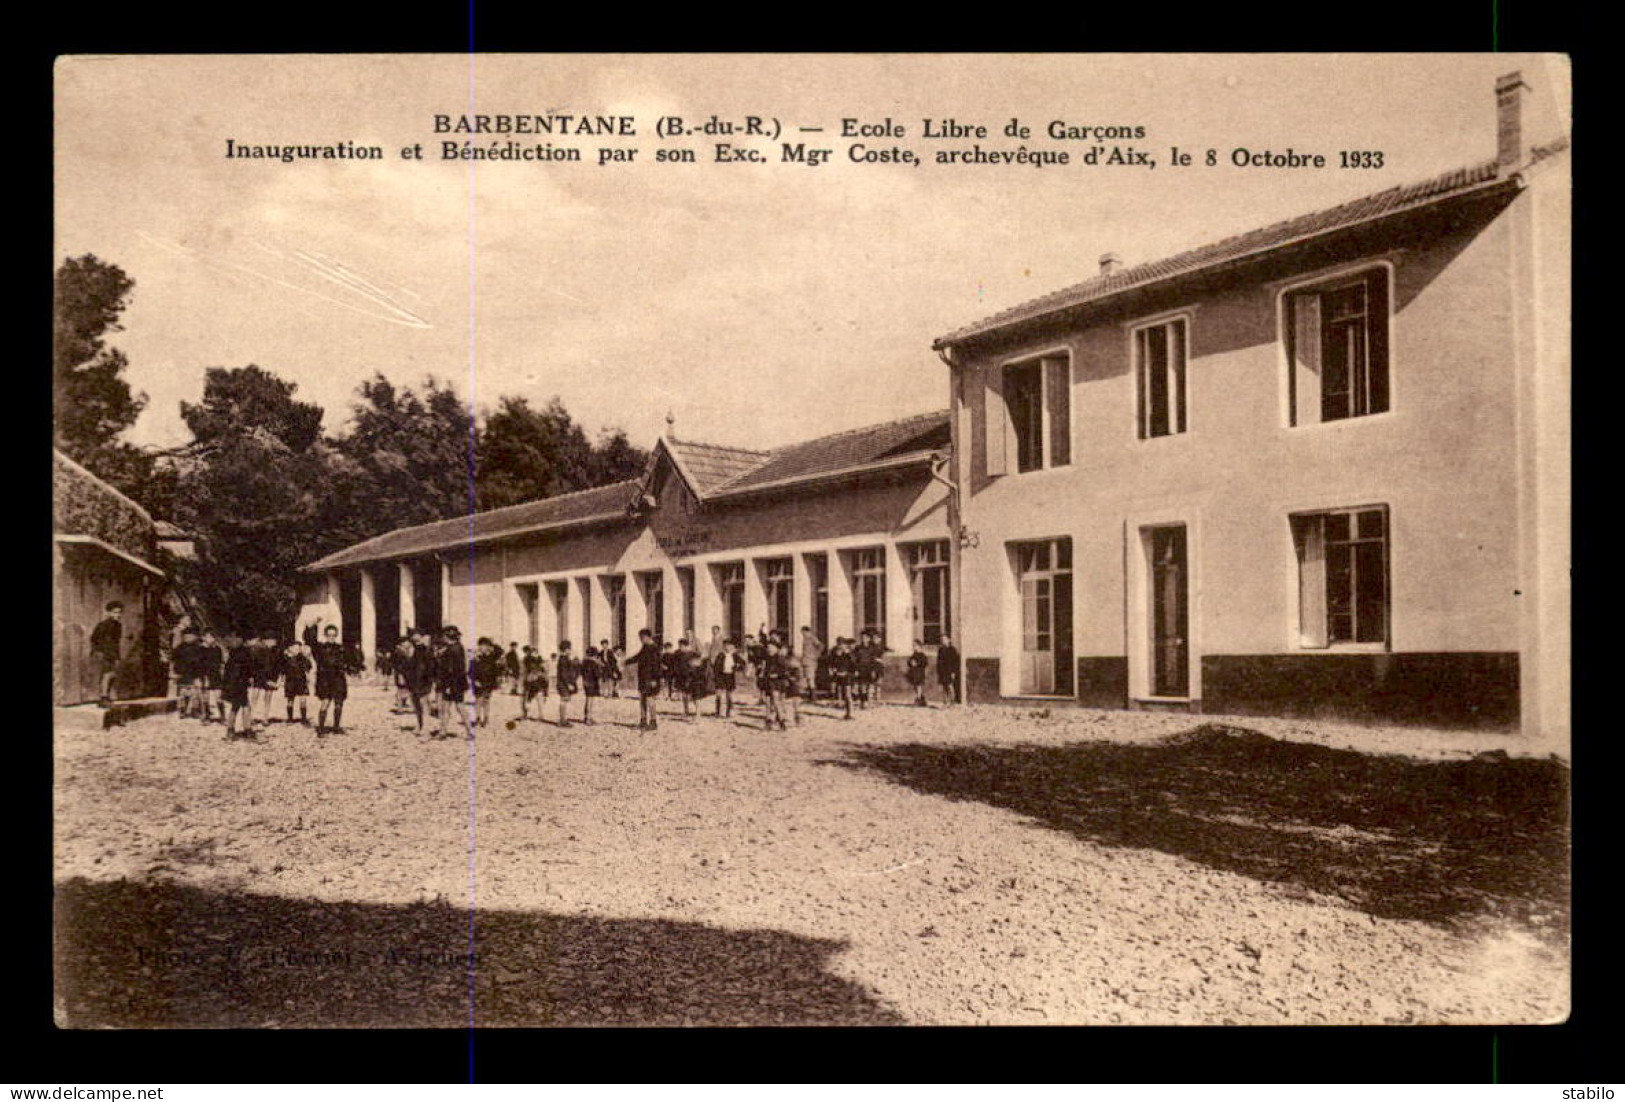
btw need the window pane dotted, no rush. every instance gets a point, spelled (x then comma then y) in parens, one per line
(1340, 592)
(1334, 381)
(1023, 391)
(1371, 524)
(1156, 381)
(1059, 401)
(1337, 526)
(1370, 597)
(1063, 554)
(1041, 556)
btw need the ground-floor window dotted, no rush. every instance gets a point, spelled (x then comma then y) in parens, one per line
(615, 597)
(928, 580)
(778, 578)
(1342, 576)
(869, 591)
(818, 584)
(1044, 577)
(731, 588)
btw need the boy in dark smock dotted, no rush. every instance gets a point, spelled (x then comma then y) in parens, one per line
(332, 682)
(649, 664)
(451, 678)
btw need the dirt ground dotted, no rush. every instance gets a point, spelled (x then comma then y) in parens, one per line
(987, 865)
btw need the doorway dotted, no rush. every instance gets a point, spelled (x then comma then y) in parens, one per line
(1044, 577)
(1170, 613)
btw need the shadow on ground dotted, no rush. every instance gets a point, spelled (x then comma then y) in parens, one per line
(1392, 836)
(157, 954)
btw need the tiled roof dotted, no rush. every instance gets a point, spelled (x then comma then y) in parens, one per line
(711, 465)
(1383, 203)
(549, 512)
(721, 471)
(855, 448)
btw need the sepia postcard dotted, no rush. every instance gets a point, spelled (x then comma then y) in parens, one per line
(783, 540)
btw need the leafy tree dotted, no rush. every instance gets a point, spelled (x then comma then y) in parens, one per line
(410, 451)
(525, 454)
(256, 487)
(93, 403)
(614, 459)
(251, 401)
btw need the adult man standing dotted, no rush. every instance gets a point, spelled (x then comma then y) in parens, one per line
(810, 651)
(106, 643)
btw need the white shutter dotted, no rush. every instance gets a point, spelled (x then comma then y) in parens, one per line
(997, 424)
(1306, 358)
(1311, 540)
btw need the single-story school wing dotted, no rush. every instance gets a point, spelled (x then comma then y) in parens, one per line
(1317, 468)
(104, 549)
(841, 534)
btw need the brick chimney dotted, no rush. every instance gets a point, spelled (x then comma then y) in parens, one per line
(1511, 94)
(1110, 263)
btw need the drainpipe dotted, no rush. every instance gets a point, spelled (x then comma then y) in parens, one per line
(955, 521)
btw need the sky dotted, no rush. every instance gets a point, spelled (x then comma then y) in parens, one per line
(756, 304)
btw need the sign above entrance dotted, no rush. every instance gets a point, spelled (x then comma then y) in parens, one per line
(684, 542)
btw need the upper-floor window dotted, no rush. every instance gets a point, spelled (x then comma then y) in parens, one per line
(1337, 348)
(1160, 353)
(1029, 413)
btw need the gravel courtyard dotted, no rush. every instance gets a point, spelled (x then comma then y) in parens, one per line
(993, 865)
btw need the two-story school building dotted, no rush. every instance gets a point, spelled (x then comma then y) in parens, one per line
(842, 534)
(1317, 468)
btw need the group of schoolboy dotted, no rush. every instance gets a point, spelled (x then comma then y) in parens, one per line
(233, 680)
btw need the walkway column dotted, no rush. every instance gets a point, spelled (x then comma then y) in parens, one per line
(840, 595)
(900, 626)
(637, 609)
(672, 595)
(445, 593)
(755, 596)
(369, 616)
(801, 610)
(603, 616)
(409, 597)
(707, 603)
(559, 599)
(581, 615)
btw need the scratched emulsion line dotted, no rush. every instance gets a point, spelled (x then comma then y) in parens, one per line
(468, 713)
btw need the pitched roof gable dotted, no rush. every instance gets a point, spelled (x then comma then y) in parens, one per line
(708, 466)
(904, 440)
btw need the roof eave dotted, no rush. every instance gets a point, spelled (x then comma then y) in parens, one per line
(893, 463)
(470, 541)
(979, 333)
